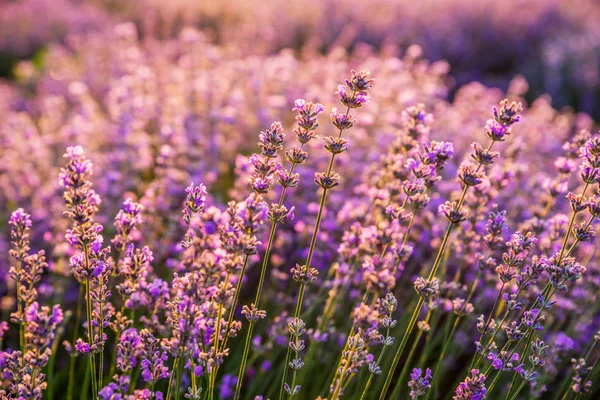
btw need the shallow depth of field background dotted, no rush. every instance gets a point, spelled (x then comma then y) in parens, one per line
(553, 43)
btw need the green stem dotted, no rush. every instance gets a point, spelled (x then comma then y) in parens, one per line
(300, 298)
(179, 377)
(515, 374)
(257, 305)
(340, 383)
(595, 371)
(73, 356)
(494, 381)
(238, 386)
(448, 339)
(134, 379)
(213, 373)
(51, 362)
(20, 309)
(420, 303)
(487, 323)
(363, 396)
(86, 383)
(411, 355)
(521, 386)
(173, 372)
(236, 298)
(193, 375)
(113, 361)
(90, 335)
(101, 361)
(405, 337)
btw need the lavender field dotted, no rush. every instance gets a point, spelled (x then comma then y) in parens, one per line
(299, 200)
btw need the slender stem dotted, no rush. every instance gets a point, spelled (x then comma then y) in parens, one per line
(339, 385)
(405, 337)
(101, 361)
(264, 265)
(368, 385)
(91, 338)
(260, 284)
(448, 339)
(86, 383)
(213, 372)
(300, 298)
(515, 374)
(411, 222)
(289, 349)
(596, 372)
(487, 323)
(179, 376)
(353, 328)
(294, 374)
(73, 356)
(238, 386)
(521, 386)
(20, 309)
(417, 310)
(173, 371)
(134, 379)
(406, 367)
(236, 298)
(494, 381)
(257, 305)
(193, 375)
(113, 361)
(52, 361)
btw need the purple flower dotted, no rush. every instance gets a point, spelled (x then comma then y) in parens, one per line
(418, 383)
(472, 388)
(82, 347)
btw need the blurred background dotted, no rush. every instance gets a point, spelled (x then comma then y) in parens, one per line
(554, 44)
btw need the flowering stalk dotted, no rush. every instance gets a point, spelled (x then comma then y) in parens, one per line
(360, 83)
(271, 143)
(19, 234)
(496, 129)
(82, 203)
(387, 307)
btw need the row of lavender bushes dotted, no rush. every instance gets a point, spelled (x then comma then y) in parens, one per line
(403, 247)
(554, 43)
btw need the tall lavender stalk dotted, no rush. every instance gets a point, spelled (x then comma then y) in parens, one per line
(82, 204)
(307, 122)
(271, 142)
(496, 129)
(359, 85)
